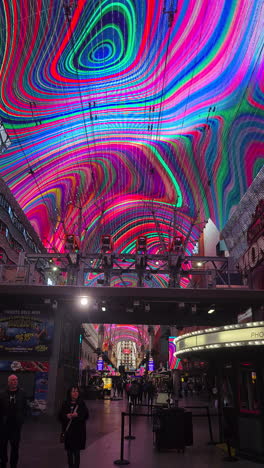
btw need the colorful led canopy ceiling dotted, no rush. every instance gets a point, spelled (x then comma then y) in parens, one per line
(130, 117)
(137, 333)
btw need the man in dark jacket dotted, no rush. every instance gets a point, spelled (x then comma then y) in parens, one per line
(13, 407)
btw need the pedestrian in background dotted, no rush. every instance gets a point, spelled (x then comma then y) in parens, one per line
(73, 416)
(13, 409)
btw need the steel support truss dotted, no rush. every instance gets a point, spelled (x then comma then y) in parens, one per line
(202, 272)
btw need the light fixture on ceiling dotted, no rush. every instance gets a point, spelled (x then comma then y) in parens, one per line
(84, 301)
(212, 309)
(141, 243)
(106, 243)
(199, 264)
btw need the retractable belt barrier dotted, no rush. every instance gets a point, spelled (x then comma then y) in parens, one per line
(121, 460)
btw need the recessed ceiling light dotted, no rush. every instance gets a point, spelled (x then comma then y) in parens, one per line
(84, 301)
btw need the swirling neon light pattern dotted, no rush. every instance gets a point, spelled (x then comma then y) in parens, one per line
(120, 109)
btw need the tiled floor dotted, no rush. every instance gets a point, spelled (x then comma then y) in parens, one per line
(40, 447)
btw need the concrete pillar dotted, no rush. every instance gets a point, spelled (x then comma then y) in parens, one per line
(54, 372)
(31, 272)
(151, 337)
(100, 336)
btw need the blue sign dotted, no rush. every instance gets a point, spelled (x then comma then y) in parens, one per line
(151, 365)
(100, 363)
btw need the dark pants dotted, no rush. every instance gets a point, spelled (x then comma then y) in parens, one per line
(11, 435)
(73, 458)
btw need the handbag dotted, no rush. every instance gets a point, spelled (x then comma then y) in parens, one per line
(62, 434)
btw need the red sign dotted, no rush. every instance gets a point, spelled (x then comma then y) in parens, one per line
(253, 256)
(255, 238)
(256, 228)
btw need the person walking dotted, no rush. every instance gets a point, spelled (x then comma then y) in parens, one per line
(73, 416)
(151, 391)
(13, 409)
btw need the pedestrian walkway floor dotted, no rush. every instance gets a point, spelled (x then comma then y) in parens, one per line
(40, 445)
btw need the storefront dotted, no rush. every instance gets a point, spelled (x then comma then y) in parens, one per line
(235, 357)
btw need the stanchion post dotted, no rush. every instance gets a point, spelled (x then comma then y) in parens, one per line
(129, 436)
(121, 461)
(211, 442)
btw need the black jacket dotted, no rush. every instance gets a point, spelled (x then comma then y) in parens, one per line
(75, 436)
(16, 415)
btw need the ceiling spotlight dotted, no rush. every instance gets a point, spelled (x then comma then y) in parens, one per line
(106, 244)
(84, 301)
(211, 310)
(54, 268)
(103, 308)
(141, 243)
(199, 264)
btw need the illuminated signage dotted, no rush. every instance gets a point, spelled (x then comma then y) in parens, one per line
(174, 362)
(248, 334)
(255, 239)
(253, 256)
(256, 227)
(151, 366)
(126, 350)
(100, 364)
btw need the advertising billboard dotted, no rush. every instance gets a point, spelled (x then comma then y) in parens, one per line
(26, 332)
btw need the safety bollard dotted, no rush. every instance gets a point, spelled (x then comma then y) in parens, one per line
(121, 461)
(129, 436)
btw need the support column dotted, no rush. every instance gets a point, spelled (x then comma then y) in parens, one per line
(151, 337)
(100, 336)
(54, 400)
